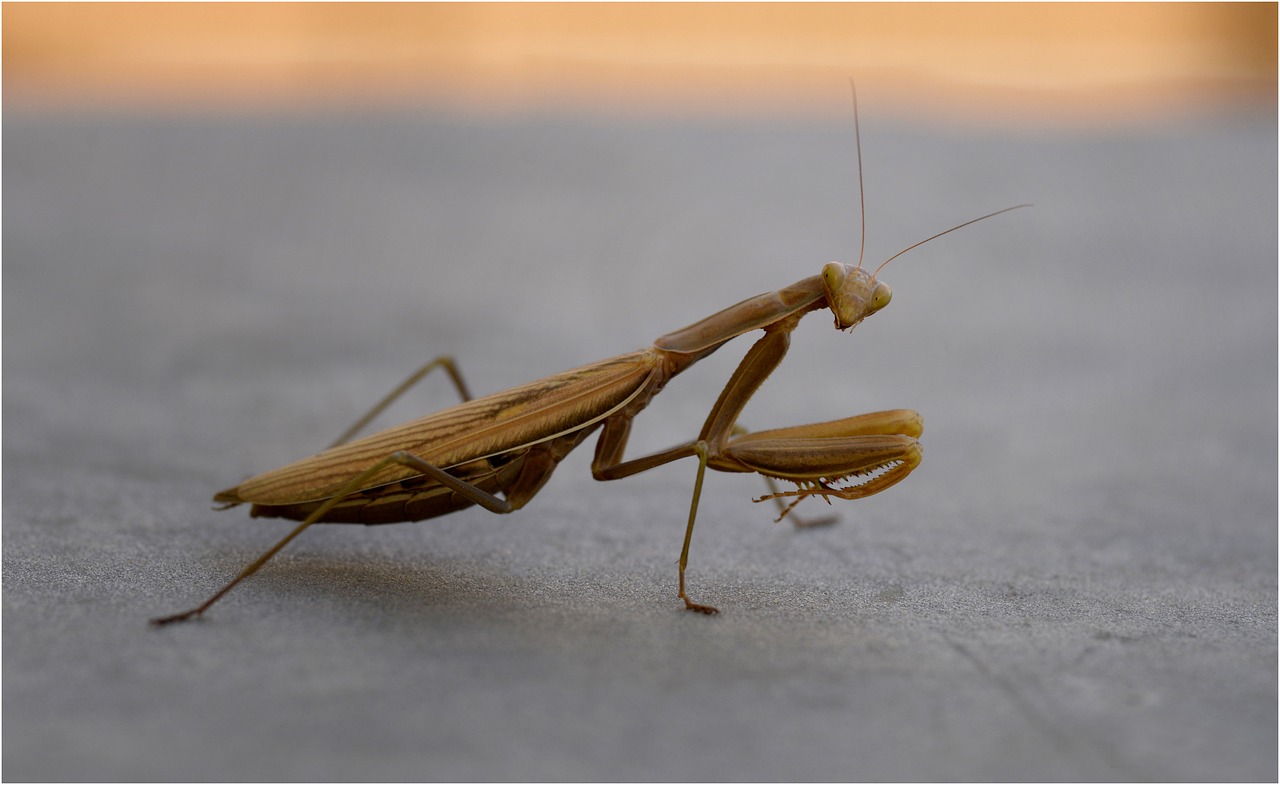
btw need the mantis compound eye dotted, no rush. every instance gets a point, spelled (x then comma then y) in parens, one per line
(833, 275)
(881, 296)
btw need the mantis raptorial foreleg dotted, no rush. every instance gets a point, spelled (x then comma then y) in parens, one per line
(880, 447)
(810, 455)
(776, 493)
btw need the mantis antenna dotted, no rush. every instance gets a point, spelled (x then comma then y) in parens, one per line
(862, 198)
(862, 194)
(948, 231)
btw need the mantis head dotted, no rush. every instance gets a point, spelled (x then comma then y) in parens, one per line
(853, 294)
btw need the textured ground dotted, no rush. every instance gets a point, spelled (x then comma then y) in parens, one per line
(1078, 583)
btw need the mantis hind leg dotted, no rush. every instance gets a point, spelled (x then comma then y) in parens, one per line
(470, 492)
(444, 361)
(529, 472)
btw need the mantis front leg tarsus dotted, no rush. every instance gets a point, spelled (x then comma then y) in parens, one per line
(785, 510)
(776, 493)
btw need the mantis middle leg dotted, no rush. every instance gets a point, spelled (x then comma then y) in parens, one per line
(754, 368)
(879, 448)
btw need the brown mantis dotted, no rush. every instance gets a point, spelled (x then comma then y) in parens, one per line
(510, 442)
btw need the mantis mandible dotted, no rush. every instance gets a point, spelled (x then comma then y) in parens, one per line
(510, 442)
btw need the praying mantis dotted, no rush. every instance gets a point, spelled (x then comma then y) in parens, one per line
(498, 451)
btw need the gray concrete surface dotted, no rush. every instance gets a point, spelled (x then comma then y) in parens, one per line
(1078, 584)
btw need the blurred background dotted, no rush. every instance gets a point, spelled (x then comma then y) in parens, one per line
(1046, 63)
(230, 228)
